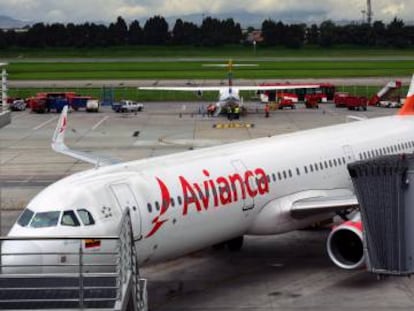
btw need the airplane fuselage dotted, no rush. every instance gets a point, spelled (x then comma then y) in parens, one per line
(187, 201)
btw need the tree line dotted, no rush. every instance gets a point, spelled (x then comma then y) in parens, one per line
(212, 32)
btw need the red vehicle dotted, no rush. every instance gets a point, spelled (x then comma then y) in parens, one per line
(340, 99)
(37, 103)
(327, 89)
(356, 103)
(285, 103)
(45, 102)
(350, 102)
(313, 100)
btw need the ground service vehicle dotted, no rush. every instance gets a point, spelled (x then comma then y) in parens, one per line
(127, 106)
(18, 105)
(356, 102)
(286, 103)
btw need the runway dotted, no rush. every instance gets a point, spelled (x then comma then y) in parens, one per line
(285, 272)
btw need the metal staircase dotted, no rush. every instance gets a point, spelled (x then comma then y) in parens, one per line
(120, 288)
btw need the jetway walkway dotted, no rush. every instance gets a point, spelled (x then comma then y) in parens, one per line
(119, 287)
(385, 190)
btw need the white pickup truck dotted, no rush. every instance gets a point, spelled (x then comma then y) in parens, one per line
(128, 106)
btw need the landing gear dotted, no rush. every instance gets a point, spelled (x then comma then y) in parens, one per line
(233, 245)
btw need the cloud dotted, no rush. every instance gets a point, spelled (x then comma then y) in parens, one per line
(108, 10)
(393, 9)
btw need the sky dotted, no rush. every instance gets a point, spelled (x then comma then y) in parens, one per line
(77, 11)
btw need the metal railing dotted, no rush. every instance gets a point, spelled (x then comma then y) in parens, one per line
(105, 279)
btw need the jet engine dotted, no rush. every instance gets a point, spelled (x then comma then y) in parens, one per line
(345, 245)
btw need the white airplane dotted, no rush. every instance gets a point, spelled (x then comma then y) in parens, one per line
(229, 95)
(187, 201)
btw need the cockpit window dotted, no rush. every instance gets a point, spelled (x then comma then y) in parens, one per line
(25, 217)
(69, 219)
(45, 219)
(86, 217)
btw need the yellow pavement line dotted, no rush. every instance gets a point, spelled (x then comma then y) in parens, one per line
(233, 125)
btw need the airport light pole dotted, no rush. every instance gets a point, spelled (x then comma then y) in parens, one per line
(3, 87)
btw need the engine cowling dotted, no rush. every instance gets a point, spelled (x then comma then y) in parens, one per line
(345, 245)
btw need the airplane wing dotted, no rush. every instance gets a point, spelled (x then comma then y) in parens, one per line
(318, 205)
(58, 145)
(240, 88)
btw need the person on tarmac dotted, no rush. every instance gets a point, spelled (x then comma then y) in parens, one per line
(267, 110)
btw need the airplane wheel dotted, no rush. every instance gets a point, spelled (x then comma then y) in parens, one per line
(235, 244)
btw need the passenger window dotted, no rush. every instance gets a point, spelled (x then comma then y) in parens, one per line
(297, 171)
(326, 164)
(330, 163)
(86, 217)
(149, 207)
(69, 219)
(180, 201)
(279, 175)
(343, 160)
(25, 217)
(306, 169)
(172, 202)
(321, 165)
(45, 219)
(311, 167)
(284, 174)
(274, 176)
(290, 173)
(334, 161)
(316, 167)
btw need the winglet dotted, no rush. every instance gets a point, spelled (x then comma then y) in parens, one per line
(58, 145)
(58, 140)
(408, 107)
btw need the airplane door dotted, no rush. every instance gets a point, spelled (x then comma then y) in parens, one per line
(248, 203)
(126, 199)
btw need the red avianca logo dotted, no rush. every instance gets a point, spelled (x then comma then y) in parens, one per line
(212, 192)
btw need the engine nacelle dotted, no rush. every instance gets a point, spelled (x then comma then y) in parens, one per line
(345, 245)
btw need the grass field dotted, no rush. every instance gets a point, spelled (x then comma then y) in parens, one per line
(195, 70)
(158, 63)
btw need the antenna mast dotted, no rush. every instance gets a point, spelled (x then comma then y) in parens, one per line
(369, 12)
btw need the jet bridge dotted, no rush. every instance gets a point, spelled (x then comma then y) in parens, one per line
(385, 190)
(118, 288)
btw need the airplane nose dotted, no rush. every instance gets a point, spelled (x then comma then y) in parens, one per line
(21, 257)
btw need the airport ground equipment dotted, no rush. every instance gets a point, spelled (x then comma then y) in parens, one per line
(344, 100)
(385, 93)
(385, 190)
(119, 288)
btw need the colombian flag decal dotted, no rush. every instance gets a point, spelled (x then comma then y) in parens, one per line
(91, 243)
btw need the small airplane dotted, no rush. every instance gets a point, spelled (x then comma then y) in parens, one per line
(187, 201)
(229, 95)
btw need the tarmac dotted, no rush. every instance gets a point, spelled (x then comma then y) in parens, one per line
(285, 272)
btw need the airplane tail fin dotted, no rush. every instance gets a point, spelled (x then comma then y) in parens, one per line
(408, 107)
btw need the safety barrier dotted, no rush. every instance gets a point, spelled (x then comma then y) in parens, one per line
(104, 280)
